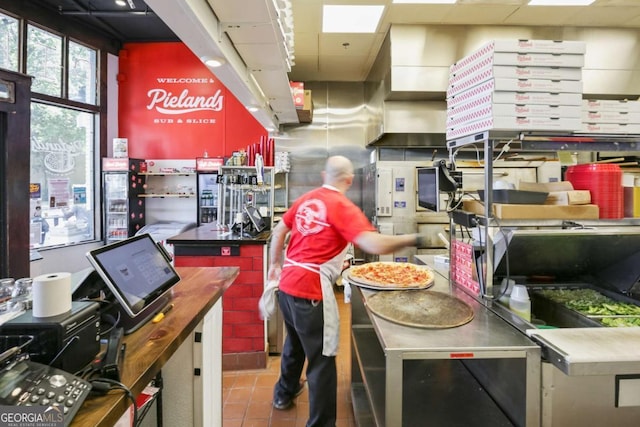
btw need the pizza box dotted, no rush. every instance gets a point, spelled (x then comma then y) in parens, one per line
(518, 59)
(486, 70)
(619, 128)
(470, 77)
(623, 106)
(486, 92)
(458, 116)
(610, 117)
(513, 123)
(549, 47)
(545, 46)
(522, 85)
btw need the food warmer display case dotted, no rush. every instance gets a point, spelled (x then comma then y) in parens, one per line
(584, 286)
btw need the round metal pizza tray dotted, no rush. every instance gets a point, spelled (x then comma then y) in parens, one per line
(355, 281)
(420, 308)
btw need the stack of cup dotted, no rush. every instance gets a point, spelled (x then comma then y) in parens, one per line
(520, 303)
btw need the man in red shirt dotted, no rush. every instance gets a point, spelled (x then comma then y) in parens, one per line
(321, 224)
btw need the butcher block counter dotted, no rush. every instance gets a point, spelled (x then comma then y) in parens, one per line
(407, 376)
(169, 346)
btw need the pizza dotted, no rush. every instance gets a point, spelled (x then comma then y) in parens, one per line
(391, 275)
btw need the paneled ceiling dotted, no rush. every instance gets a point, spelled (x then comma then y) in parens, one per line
(243, 30)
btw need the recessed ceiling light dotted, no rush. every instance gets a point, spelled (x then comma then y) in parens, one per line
(560, 2)
(351, 19)
(121, 3)
(213, 62)
(425, 1)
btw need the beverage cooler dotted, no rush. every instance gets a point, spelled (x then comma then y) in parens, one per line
(207, 171)
(123, 208)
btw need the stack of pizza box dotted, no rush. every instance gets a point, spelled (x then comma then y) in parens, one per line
(610, 116)
(516, 85)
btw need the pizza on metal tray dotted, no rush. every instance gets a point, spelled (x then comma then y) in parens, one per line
(391, 275)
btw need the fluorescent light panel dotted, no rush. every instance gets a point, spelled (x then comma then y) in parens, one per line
(424, 1)
(351, 19)
(560, 2)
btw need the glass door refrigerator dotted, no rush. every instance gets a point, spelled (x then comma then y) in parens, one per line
(208, 171)
(123, 208)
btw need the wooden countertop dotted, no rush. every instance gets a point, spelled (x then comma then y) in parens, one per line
(208, 233)
(151, 346)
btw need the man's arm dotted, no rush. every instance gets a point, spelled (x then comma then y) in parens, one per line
(276, 250)
(375, 243)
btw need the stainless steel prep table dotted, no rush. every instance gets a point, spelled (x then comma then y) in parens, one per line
(410, 376)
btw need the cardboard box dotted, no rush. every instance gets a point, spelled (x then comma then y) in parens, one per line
(305, 115)
(611, 105)
(486, 92)
(573, 197)
(515, 46)
(297, 91)
(517, 72)
(560, 193)
(619, 128)
(518, 59)
(504, 211)
(610, 117)
(632, 202)
(458, 116)
(515, 124)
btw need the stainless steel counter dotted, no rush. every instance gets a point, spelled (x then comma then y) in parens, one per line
(393, 365)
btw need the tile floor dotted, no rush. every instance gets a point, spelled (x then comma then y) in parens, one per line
(247, 394)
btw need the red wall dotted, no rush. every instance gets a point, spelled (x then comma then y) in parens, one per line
(171, 106)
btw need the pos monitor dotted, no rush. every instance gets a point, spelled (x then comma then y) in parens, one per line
(138, 275)
(428, 187)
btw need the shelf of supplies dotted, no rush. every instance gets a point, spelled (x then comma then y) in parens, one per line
(533, 141)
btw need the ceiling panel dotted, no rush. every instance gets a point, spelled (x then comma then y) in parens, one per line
(322, 57)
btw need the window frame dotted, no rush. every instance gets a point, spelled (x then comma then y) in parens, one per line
(102, 48)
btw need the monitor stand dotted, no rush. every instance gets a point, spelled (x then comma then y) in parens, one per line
(132, 324)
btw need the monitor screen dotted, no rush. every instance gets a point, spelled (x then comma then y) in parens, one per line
(428, 192)
(136, 272)
(256, 219)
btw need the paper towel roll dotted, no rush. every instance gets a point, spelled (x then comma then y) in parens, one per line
(51, 294)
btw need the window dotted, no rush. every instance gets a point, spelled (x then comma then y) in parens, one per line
(82, 74)
(62, 175)
(64, 138)
(44, 61)
(8, 42)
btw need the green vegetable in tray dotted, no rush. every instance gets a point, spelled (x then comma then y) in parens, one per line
(590, 302)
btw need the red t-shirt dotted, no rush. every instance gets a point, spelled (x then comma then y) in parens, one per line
(322, 223)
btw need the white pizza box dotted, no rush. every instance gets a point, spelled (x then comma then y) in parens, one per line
(610, 117)
(522, 85)
(515, 124)
(527, 47)
(518, 59)
(459, 116)
(611, 105)
(618, 128)
(548, 46)
(487, 68)
(485, 92)
(515, 109)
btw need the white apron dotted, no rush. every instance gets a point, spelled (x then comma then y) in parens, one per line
(329, 273)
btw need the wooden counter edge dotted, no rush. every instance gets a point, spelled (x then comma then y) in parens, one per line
(150, 347)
